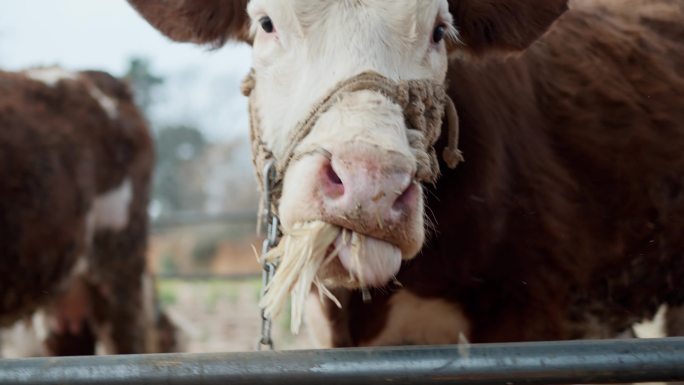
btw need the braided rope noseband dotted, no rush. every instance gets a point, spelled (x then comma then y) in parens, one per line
(424, 102)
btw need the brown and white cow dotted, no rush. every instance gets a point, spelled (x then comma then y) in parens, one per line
(566, 219)
(76, 158)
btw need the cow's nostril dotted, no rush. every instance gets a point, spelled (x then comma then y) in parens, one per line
(332, 175)
(406, 198)
(331, 185)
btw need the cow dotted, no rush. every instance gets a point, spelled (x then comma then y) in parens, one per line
(76, 158)
(556, 208)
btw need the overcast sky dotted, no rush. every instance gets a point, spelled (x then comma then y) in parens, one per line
(202, 86)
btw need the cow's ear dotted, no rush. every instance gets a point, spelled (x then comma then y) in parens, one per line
(198, 21)
(504, 25)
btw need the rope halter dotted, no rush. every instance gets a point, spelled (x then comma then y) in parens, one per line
(424, 102)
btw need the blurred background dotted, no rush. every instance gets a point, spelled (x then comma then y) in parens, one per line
(205, 197)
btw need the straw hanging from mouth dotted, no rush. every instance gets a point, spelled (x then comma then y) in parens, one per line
(301, 254)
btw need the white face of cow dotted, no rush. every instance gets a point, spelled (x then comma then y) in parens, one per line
(364, 178)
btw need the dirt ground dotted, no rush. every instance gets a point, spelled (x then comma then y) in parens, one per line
(223, 316)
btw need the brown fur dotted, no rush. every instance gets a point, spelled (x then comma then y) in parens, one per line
(59, 150)
(569, 211)
(674, 324)
(198, 21)
(507, 25)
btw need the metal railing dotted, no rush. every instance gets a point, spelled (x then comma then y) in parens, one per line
(577, 362)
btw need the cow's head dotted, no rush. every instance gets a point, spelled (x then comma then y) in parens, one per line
(355, 168)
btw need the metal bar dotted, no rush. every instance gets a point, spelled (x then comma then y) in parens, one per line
(607, 361)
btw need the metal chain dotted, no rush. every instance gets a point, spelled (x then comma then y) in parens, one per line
(270, 228)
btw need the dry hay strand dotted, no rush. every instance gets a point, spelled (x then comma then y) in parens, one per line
(301, 254)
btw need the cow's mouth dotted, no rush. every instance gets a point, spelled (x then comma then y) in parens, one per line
(368, 261)
(322, 255)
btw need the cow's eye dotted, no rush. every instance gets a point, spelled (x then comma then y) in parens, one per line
(438, 33)
(267, 24)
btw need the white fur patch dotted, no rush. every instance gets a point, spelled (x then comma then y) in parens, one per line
(80, 268)
(653, 328)
(39, 321)
(105, 343)
(50, 76)
(108, 104)
(308, 57)
(413, 320)
(110, 210)
(25, 338)
(100, 349)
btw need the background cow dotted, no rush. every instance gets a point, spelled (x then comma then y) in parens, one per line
(75, 164)
(566, 219)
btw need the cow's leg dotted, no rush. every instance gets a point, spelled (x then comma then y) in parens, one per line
(154, 330)
(127, 318)
(117, 267)
(70, 343)
(117, 257)
(117, 291)
(68, 321)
